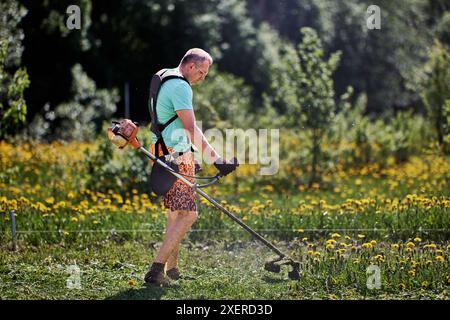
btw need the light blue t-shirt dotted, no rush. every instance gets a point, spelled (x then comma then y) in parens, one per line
(175, 94)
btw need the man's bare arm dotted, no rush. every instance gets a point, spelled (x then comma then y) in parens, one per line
(196, 136)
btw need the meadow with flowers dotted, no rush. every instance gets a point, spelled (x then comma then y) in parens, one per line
(395, 217)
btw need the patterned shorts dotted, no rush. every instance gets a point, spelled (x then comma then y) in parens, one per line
(180, 196)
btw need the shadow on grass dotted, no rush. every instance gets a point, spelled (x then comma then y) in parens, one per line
(268, 279)
(142, 293)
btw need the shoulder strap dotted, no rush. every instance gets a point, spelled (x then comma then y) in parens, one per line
(157, 81)
(155, 86)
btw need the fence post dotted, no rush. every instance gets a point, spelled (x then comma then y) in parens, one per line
(13, 229)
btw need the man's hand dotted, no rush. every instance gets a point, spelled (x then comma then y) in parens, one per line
(226, 167)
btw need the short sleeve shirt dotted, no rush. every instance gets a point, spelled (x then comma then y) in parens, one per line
(175, 94)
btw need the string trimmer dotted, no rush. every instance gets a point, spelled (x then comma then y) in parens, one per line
(124, 133)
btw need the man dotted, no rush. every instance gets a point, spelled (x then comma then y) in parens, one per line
(175, 98)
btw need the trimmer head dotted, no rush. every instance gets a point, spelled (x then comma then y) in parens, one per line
(275, 267)
(271, 266)
(294, 274)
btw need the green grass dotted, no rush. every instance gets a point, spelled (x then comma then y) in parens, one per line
(223, 270)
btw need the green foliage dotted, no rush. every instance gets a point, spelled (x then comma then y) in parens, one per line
(109, 168)
(436, 91)
(13, 109)
(356, 139)
(446, 126)
(303, 84)
(222, 101)
(11, 15)
(81, 117)
(381, 63)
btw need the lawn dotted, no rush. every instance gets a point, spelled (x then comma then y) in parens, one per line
(366, 233)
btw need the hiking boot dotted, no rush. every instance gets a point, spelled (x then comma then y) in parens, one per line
(155, 276)
(158, 280)
(173, 273)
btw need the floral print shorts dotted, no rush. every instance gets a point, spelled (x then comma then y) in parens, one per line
(180, 196)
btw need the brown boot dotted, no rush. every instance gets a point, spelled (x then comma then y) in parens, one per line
(155, 276)
(173, 273)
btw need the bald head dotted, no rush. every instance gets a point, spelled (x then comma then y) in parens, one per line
(195, 65)
(196, 55)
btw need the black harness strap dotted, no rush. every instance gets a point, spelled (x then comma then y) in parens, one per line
(157, 128)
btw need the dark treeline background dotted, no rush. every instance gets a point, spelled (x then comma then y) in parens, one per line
(339, 91)
(127, 41)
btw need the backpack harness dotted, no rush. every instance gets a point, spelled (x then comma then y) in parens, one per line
(157, 128)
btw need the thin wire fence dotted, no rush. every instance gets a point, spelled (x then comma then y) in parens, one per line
(230, 230)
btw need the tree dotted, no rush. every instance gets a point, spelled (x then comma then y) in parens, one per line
(82, 116)
(381, 63)
(13, 108)
(436, 91)
(303, 83)
(222, 101)
(51, 49)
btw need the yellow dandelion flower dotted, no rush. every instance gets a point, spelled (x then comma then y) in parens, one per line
(361, 236)
(74, 219)
(410, 244)
(367, 245)
(330, 246)
(300, 230)
(417, 239)
(132, 283)
(335, 235)
(401, 286)
(440, 258)
(95, 222)
(373, 242)
(304, 239)
(50, 200)
(394, 246)
(310, 252)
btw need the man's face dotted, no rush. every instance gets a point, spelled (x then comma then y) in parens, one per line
(198, 72)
